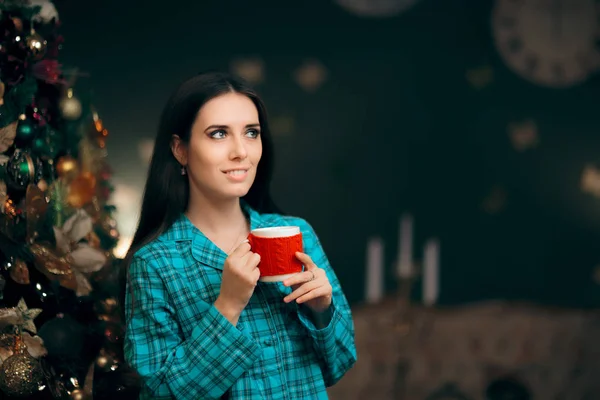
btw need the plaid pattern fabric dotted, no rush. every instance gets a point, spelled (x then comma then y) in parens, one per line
(183, 348)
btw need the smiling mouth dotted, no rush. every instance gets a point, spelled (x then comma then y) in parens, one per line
(236, 172)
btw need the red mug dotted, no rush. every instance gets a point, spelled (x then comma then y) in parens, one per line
(277, 247)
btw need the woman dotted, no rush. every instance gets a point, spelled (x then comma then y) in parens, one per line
(199, 324)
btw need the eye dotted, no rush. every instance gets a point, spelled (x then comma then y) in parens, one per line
(253, 133)
(218, 134)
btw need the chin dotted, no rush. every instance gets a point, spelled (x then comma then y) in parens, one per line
(238, 192)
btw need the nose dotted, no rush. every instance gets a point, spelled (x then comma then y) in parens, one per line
(238, 149)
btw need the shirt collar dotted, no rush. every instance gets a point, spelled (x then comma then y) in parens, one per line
(203, 250)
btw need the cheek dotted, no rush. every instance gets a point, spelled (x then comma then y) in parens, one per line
(204, 157)
(258, 152)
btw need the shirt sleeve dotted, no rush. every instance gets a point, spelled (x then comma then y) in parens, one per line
(203, 366)
(334, 342)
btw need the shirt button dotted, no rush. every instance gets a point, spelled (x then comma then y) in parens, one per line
(267, 342)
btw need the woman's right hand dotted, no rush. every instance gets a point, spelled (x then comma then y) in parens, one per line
(240, 275)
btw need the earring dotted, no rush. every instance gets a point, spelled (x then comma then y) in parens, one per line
(183, 171)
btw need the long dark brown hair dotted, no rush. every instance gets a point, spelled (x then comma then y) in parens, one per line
(166, 191)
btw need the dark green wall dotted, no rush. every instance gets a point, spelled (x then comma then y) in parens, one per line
(396, 127)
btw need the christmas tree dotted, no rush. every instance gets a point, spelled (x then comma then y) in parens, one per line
(60, 330)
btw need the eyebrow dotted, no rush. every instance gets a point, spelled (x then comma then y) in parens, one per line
(227, 127)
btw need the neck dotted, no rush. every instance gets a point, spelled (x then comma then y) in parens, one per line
(215, 216)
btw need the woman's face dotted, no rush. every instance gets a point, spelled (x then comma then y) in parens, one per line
(224, 149)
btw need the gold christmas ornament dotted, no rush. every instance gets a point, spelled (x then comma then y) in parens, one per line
(66, 166)
(70, 106)
(21, 375)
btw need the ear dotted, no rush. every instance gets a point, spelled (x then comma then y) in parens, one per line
(179, 150)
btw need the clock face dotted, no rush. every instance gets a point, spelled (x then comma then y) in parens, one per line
(549, 42)
(376, 8)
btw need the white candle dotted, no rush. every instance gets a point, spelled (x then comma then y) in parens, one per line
(405, 247)
(431, 272)
(374, 282)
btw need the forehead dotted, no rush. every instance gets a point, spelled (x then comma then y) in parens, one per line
(228, 109)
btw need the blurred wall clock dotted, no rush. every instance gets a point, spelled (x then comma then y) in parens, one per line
(376, 8)
(552, 43)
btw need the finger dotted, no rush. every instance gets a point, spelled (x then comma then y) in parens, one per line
(301, 277)
(255, 275)
(244, 259)
(322, 291)
(252, 261)
(306, 260)
(302, 290)
(242, 249)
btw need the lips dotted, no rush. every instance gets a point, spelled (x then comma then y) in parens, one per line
(236, 172)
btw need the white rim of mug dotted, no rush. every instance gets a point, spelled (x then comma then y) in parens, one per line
(276, 231)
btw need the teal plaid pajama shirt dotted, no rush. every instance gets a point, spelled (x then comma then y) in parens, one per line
(183, 348)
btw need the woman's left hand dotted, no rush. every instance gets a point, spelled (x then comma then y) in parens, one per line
(310, 287)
